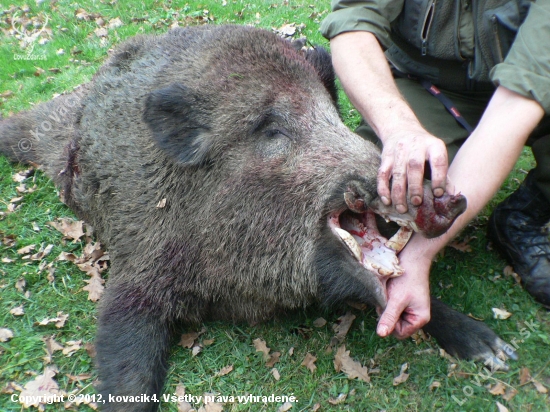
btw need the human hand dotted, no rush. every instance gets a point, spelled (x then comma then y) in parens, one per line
(408, 307)
(403, 158)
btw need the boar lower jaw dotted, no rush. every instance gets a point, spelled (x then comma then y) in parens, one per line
(359, 233)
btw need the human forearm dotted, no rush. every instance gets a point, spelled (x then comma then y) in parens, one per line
(365, 75)
(486, 158)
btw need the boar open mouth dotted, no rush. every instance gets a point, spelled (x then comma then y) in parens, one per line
(356, 227)
(360, 234)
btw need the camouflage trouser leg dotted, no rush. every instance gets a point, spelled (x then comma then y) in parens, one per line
(438, 121)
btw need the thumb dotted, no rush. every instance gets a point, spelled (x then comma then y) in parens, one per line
(389, 319)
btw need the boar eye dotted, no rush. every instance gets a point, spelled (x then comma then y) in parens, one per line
(277, 143)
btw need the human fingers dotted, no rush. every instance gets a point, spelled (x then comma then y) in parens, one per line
(399, 177)
(436, 154)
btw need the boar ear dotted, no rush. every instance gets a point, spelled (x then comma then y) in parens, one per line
(178, 118)
(320, 59)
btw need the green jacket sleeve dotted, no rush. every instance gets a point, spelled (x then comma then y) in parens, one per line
(526, 68)
(373, 16)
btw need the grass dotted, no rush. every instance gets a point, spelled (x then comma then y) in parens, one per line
(470, 282)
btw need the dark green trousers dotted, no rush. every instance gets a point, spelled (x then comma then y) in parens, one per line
(438, 121)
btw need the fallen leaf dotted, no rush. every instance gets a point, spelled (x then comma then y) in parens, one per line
(207, 342)
(7, 260)
(309, 362)
(182, 406)
(319, 322)
(42, 253)
(273, 359)
(95, 286)
(225, 370)
(59, 320)
(291, 351)
(79, 378)
(337, 401)
(51, 347)
(17, 311)
(101, 32)
(161, 204)
(285, 407)
(26, 250)
(70, 228)
(276, 374)
(5, 334)
(35, 227)
(473, 317)
(539, 386)
(187, 340)
(510, 393)
(353, 369)
(500, 313)
(402, 377)
(40, 388)
(90, 349)
(509, 271)
(23, 175)
(316, 407)
(434, 385)
(463, 247)
(71, 347)
(196, 350)
(342, 327)
(20, 285)
(261, 346)
(498, 389)
(501, 407)
(115, 23)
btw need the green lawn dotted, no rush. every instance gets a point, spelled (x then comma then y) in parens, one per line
(473, 282)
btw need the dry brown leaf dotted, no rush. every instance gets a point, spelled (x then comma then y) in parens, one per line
(51, 347)
(6, 94)
(17, 311)
(7, 260)
(187, 340)
(309, 362)
(337, 401)
(291, 351)
(501, 407)
(473, 317)
(59, 320)
(71, 347)
(434, 385)
(23, 175)
(353, 369)
(182, 406)
(71, 257)
(319, 322)
(510, 393)
(342, 327)
(95, 286)
(26, 250)
(509, 271)
(500, 313)
(11, 387)
(70, 228)
(207, 342)
(225, 370)
(90, 349)
(101, 32)
(82, 14)
(316, 407)
(539, 386)
(5, 334)
(261, 346)
(211, 406)
(40, 388)
(285, 407)
(462, 246)
(402, 377)
(196, 350)
(498, 389)
(35, 227)
(276, 374)
(273, 359)
(20, 285)
(115, 23)
(42, 253)
(79, 378)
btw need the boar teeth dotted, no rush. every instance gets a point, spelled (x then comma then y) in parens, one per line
(400, 239)
(351, 243)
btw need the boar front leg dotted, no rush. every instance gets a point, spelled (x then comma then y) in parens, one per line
(132, 346)
(466, 338)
